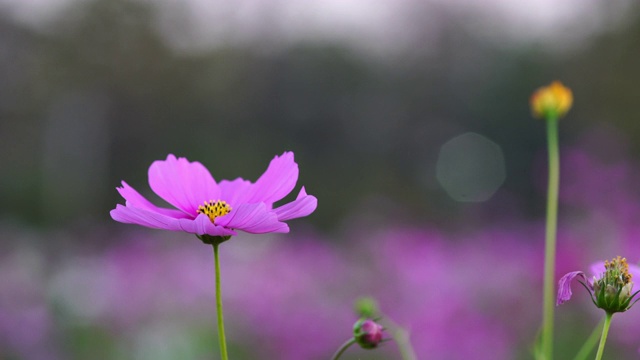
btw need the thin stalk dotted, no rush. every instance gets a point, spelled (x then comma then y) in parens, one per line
(605, 332)
(401, 337)
(590, 344)
(550, 238)
(221, 338)
(343, 348)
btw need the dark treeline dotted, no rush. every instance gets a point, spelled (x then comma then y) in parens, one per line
(98, 95)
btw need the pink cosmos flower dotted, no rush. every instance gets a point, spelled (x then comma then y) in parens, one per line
(209, 208)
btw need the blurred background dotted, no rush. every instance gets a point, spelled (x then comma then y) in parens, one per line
(410, 122)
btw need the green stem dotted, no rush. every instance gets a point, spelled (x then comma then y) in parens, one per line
(401, 337)
(603, 338)
(590, 344)
(550, 238)
(343, 348)
(221, 337)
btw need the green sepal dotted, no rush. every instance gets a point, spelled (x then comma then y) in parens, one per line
(591, 295)
(628, 304)
(613, 304)
(213, 240)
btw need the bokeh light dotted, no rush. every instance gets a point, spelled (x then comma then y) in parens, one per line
(470, 167)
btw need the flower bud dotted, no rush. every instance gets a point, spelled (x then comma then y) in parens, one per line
(368, 333)
(551, 101)
(366, 307)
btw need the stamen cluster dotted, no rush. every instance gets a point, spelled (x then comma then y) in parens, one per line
(213, 209)
(612, 291)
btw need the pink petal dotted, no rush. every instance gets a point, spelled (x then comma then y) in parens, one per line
(134, 199)
(277, 181)
(202, 225)
(597, 269)
(302, 206)
(634, 270)
(234, 192)
(564, 286)
(183, 184)
(144, 217)
(252, 218)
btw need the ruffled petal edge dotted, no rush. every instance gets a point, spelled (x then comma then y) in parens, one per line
(302, 206)
(134, 199)
(277, 181)
(182, 183)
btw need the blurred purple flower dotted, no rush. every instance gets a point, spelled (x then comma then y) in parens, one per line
(135, 282)
(206, 207)
(423, 281)
(301, 291)
(26, 325)
(292, 289)
(304, 296)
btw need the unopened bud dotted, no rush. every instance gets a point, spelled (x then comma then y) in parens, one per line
(551, 101)
(368, 333)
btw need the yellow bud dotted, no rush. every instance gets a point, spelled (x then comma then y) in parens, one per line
(551, 101)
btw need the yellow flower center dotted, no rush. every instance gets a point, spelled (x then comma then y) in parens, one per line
(213, 209)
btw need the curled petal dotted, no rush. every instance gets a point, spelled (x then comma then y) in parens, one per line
(303, 205)
(183, 184)
(276, 182)
(564, 286)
